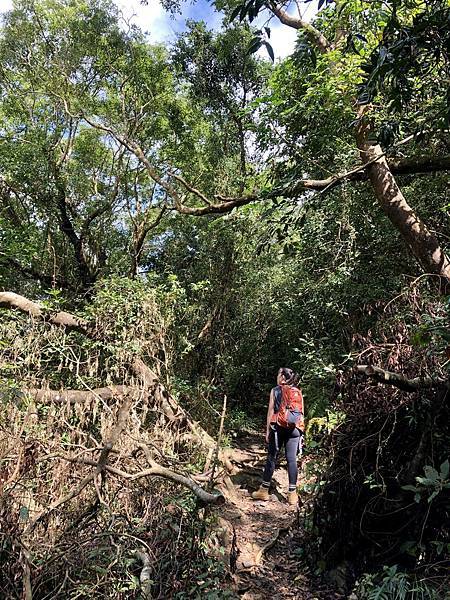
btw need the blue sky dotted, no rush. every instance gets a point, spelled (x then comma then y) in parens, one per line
(163, 28)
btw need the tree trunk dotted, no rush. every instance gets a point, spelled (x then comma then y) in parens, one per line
(423, 244)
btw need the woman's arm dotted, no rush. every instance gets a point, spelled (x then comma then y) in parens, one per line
(269, 415)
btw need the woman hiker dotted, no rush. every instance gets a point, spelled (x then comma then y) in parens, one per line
(285, 422)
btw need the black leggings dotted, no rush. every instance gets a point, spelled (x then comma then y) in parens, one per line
(290, 439)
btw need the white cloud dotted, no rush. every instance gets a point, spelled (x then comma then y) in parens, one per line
(160, 27)
(282, 40)
(152, 18)
(5, 5)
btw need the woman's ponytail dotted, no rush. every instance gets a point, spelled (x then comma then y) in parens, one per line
(290, 376)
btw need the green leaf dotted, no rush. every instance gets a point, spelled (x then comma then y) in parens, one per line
(409, 488)
(431, 474)
(236, 11)
(254, 45)
(445, 469)
(244, 10)
(24, 513)
(269, 51)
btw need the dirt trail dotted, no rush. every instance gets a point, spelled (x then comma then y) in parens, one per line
(265, 538)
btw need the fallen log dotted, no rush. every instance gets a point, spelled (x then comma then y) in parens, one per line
(64, 319)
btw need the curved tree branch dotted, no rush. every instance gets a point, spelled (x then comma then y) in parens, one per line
(315, 36)
(223, 204)
(414, 166)
(156, 470)
(159, 471)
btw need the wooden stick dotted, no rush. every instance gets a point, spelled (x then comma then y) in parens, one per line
(100, 466)
(219, 439)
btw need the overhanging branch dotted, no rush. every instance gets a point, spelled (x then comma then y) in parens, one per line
(61, 318)
(223, 204)
(315, 36)
(414, 166)
(400, 381)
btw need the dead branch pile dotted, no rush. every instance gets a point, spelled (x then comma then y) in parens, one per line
(97, 483)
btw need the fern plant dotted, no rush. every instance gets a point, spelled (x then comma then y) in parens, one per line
(392, 584)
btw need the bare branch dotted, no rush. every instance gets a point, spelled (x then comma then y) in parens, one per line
(190, 188)
(155, 470)
(400, 381)
(314, 35)
(100, 466)
(11, 300)
(140, 155)
(416, 166)
(159, 471)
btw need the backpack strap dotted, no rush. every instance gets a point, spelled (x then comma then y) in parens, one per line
(277, 396)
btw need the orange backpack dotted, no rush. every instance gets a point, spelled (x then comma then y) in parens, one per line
(290, 414)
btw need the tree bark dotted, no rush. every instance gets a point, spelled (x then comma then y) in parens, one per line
(145, 577)
(423, 244)
(66, 225)
(315, 36)
(61, 318)
(400, 381)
